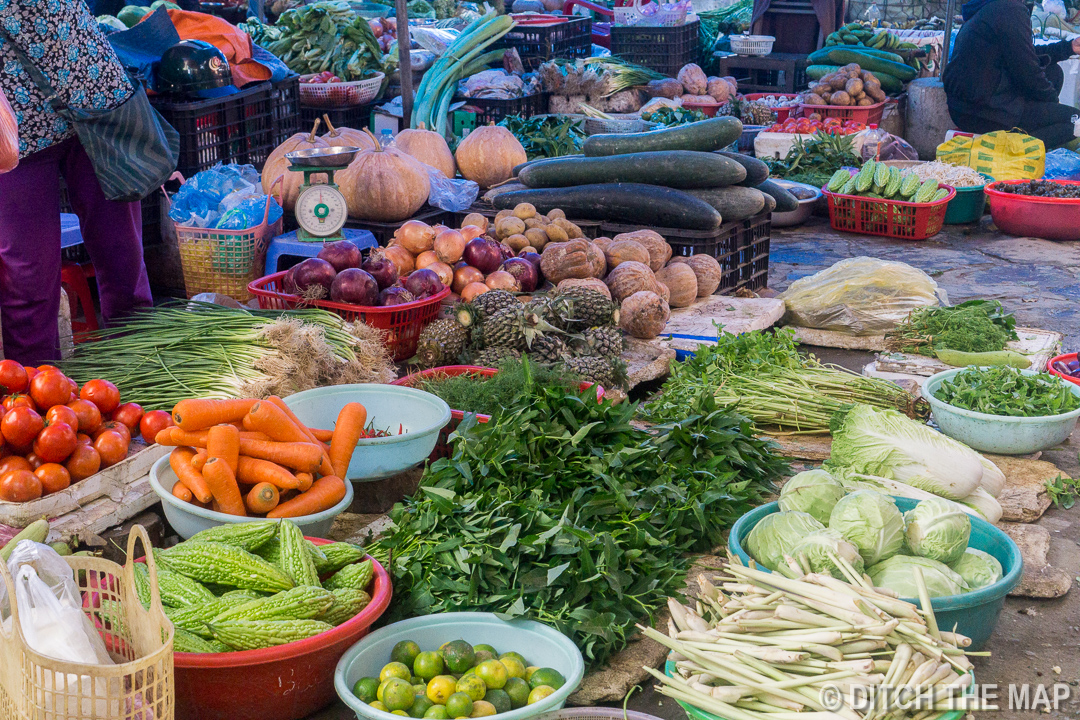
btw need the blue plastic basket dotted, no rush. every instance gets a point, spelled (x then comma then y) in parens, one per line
(973, 614)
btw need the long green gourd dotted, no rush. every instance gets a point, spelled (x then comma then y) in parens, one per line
(258, 634)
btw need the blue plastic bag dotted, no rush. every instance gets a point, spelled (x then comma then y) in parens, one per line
(227, 197)
(1062, 164)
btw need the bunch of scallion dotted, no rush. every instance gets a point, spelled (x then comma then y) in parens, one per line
(159, 356)
(764, 377)
(619, 74)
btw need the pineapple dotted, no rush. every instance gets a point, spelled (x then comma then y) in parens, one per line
(505, 327)
(441, 342)
(590, 308)
(604, 341)
(494, 356)
(605, 372)
(555, 310)
(472, 314)
(756, 113)
(548, 349)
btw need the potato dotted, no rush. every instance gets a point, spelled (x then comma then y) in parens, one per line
(667, 88)
(854, 87)
(821, 89)
(840, 98)
(875, 92)
(864, 101)
(869, 78)
(838, 81)
(812, 99)
(851, 66)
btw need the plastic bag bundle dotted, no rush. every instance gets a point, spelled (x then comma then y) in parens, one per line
(860, 296)
(1001, 155)
(9, 136)
(1062, 164)
(228, 197)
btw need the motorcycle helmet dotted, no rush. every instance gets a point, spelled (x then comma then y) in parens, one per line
(192, 66)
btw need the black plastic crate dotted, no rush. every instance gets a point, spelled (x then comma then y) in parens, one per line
(536, 44)
(773, 73)
(492, 110)
(753, 265)
(664, 49)
(356, 117)
(384, 231)
(286, 109)
(232, 129)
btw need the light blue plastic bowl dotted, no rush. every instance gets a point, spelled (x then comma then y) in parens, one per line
(973, 614)
(999, 434)
(420, 414)
(541, 645)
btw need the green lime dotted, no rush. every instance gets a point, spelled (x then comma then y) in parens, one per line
(420, 688)
(420, 706)
(437, 712)
(417, 680)
(529, 671)
(518, 690)
(514, 667)
(539, 693)
(547, 676)
(458, 656)
(482, 709)
(459, 705)
(472, 686)
(395, 670)
(366, 689)
(440, 688)
(500, 699)
(493, 673)
(428, 664)
(513, 655)
(482, 656)
(486, 648)
(398, 694)
(378, 706)
(402, 713)
(405, 652)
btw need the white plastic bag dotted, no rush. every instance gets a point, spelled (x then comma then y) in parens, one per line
(53, 626)
(51, 569)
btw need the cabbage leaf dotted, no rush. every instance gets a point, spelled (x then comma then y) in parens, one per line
(897, 574)
(871, 522)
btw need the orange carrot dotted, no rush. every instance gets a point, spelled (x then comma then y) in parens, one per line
(223, 441)
(180, 490)
(304, 457)
(252, 471)
(180, 462)
(261, 499)
(199, 414)
(268, 418)
(197, 439)
(322, 435)
(325, 493)
(219, 476)
(199, 461)
(348, 430)
(326, 468)
(164, 436)
(305, 480)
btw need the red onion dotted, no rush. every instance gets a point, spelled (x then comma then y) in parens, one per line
(384, 271)
(507, 251)
(484, 254)
(424, 283)
(313, 271)
(395, 295)
(356, 287)
(342, 255)
(527, 275)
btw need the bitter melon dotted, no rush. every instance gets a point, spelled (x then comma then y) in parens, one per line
(247, 536)
(258, 634)
(142, 584)
(347, 603)
(893, 186)
(865, 178)
(881, 176)
(337, 555)
(836, 183)
(184, 641)
(910, 185)
(295, 559)
(214, 562)
(300, 603)
(179, 591)
(271, 552)
(941, 194)
(926, 191)
(849, 187)
(356, 576)
(194, 617)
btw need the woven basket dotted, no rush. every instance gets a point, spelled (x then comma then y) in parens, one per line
(598, 126)
(343, 94)
(752, 44)
(139, 687)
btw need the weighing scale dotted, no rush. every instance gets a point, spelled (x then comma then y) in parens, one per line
(320, 209)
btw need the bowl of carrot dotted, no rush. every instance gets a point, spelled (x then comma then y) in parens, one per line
(238, 460)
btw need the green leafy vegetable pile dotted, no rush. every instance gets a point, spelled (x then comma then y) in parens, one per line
(1007, 391)
(471, 393)
(561, 511)
(667, 117)
(322, 36)
(972, 326)
(546, 136)
(815, 160)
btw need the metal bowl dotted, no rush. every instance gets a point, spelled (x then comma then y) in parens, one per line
(806, 207)
(322, 157)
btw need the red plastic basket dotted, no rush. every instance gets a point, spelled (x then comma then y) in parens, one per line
(1067, 357)
(866, 114)
(1032, 216)
(402, 323)
(782, 113)
(891, 218)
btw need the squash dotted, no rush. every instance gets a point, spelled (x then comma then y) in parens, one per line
(429, 148)
(277, 165)
(631, 277)
(346, 137)
(707, 271)
(620, 251)
(719, 89)
(644, 315)
(572, 259)
(590, 283)
(488, 155)
(681, 282)
(384, 185)
(659, 250)
(693, 79)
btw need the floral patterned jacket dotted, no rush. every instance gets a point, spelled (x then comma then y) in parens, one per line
(63, 40)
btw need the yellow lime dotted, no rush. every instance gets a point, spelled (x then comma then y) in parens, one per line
(405, 652)
(513, 655)
(483, 656)
(486, 648)
(440, 688)
(500, 700)
(378, 706)
(398, 694)
(395, 670)
(366, 689)
(514, 667)
(381, 688)
(459, 705)
(428, 664)
(547, 676)
(482, 709)
(420, 706)
(399, 712)
(493, 673)
(436, 712)
(518, 690)
(472, 686)
(529, 671)
(539, 693)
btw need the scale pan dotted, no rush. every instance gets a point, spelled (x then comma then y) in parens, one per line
(322, 157)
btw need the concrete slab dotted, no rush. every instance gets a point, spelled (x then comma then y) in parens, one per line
(1040, 579)
(1024, 498)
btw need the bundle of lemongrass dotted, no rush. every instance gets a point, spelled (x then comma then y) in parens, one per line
(160, 356)
(759, 646)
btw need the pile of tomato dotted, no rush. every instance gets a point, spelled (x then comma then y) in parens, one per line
(54, 433)
(811, 125)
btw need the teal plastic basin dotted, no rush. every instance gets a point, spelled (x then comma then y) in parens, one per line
(973, 614)
(969, 204)
(541, 645)
(419, 414)
(1000, 434)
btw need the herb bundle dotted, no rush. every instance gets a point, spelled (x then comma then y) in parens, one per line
(815, 160)
(972, 326)
(479, 394)
(1007, 391)
(546, 136)
(561, 511)
(669, 117)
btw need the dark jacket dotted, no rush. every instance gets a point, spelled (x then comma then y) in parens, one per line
(994, 70)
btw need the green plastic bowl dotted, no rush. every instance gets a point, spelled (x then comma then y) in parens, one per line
(420, 415)
(541, 645)
(1000, 434)
(969, 204)
(973, 614)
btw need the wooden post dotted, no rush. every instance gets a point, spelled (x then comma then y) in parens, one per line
(404, 63)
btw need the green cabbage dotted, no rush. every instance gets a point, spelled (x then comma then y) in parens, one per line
(777, 534)
(871, 522)
(978, 568)
(897, 574)
(890, 444)
(814, 492)
(938, 529)
(818, 549)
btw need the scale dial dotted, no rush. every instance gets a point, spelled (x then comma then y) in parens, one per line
(321, 210)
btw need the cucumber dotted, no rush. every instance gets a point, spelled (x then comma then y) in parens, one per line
(734, 203)
(1000, 358)
(518, 168)
(822, 56)
(770, 202)
(785, 201)
(889, 83)
(36, 531)
(704, 136)
(757, 172)
(622, 202)
(873, 64)
(679, 169)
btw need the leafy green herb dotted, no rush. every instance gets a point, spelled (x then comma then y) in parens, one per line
(972, 326)
(820, 156)
(1063, 492)
(1009, 392)
(558, 509)
(667, 117)
(473, 393)
(546, 136)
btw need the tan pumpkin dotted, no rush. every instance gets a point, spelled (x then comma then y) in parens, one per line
(644, 315)
(277, 165)
(572, 259)
(681, 282)
(384, 184)
(706, 269)
(621, 251)
(428, 147)
(659, 250)
(631, 277)
(488, 155)
(346, 137)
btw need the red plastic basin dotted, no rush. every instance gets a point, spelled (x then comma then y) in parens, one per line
(1066, 358)
(288, 682)
(1041, 217)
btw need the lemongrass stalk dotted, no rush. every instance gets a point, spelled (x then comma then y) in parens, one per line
(709, 704)
(899, 663)
(678, 614)
(925, 603)
(956, 639)
(943, 670)
(794, 614)
(860, 646)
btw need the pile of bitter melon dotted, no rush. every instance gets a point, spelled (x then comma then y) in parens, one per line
(878, 180)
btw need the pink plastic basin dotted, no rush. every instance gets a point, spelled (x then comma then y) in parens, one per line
(1041, 217)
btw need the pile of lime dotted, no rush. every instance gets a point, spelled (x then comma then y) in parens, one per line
(456, 681)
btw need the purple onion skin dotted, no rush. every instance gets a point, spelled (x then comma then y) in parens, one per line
(384, 271)
(395, 295)
(355, 287)
(313, 271)
(524, 271)
(484, 254)
(534, 258)
(341, 254)
(423, 283)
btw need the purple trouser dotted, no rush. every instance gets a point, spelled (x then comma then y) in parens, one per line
(30, 248)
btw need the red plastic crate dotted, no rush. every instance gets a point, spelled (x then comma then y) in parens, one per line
(866, 114)
(402, 323)
(891, 218)
(782, 113)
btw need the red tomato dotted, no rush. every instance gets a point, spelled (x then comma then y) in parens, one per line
(114, 426)
(112, 447)
(13, 377)
(30, 373)
(20, 486)
(130, 414)
(102, 393)
(53, 477)
(152, 423)
(13, 401)
(84, 462)
(46, 368)
(20, 426)
(84, 439)
(34, 460)
(88, 414)
(62, 414)
(13, 463)
(50, 388)
(55, 443)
